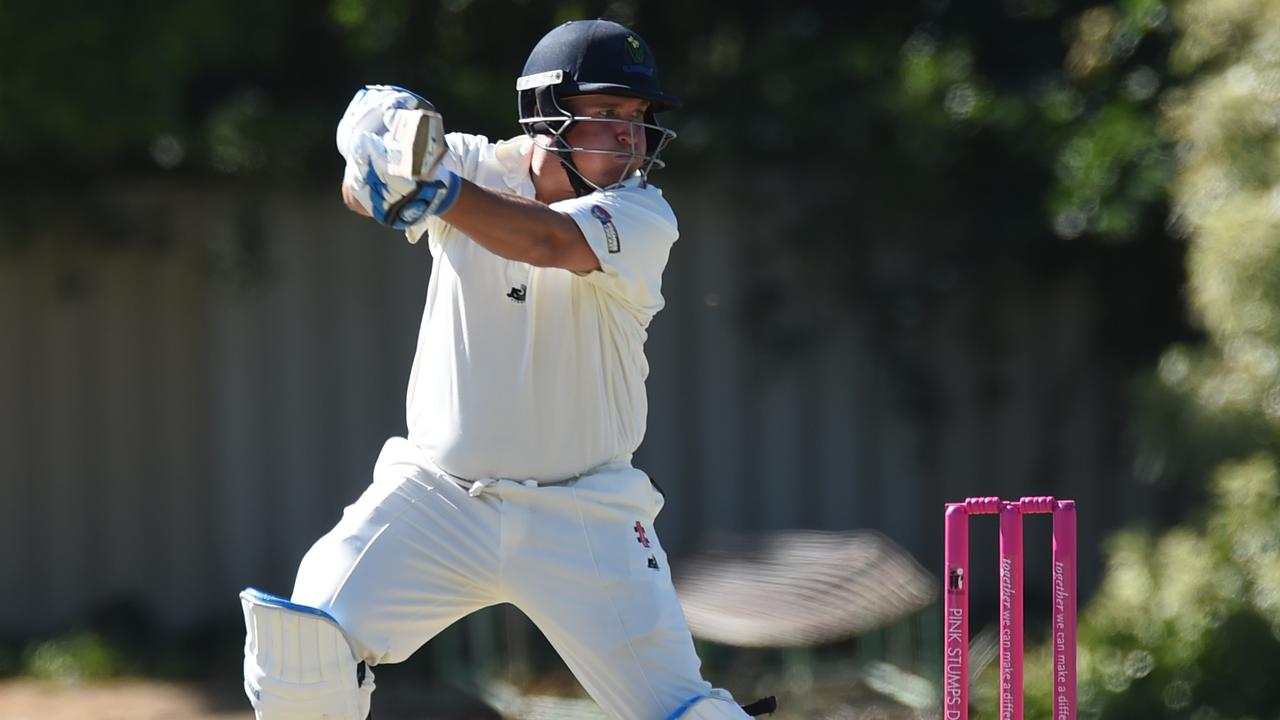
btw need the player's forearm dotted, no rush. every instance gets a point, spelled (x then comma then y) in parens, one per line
(519, 228)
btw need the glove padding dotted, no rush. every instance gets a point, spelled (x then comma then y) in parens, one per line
(410, 127)
(370, 112)
(391, 199)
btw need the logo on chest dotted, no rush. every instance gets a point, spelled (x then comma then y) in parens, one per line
(643, 539)
(518, 293)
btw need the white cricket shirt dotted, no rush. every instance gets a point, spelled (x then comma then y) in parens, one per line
(537, 373)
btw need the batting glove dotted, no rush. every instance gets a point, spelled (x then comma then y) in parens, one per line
(390, 198)
(369, 112)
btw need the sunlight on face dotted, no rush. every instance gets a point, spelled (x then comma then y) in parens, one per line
(623, 143)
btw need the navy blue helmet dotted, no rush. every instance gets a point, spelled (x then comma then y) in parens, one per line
(584, 57)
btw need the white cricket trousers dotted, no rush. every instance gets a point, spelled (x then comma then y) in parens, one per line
(581, 559)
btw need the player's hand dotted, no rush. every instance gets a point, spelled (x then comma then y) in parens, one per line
(388, 197)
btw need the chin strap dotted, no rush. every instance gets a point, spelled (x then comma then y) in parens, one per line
(580, 186)
(576, 181)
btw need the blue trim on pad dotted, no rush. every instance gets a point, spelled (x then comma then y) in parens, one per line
(683, 708)
(276, 601)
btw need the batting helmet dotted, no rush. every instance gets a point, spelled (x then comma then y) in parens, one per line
(584, 57)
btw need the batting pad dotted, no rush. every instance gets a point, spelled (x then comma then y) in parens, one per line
(298, 664)
(716, 706)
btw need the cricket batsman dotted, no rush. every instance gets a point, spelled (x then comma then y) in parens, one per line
(525, 403)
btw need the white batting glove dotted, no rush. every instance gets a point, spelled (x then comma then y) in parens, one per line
(370, 110)
(390, 198)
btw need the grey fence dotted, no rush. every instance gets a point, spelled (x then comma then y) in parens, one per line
(185, 406)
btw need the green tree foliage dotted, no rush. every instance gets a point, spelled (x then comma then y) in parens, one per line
(952, 147)
(73, 658)
(977, 91)
(1187, 622)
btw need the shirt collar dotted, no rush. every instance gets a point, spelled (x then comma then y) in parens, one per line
(513, 155)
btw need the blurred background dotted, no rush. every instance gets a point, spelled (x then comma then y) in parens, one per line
(928, 250)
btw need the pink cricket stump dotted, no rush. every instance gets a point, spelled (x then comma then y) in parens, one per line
(956, 604)
(1010, 611)
(955, 611)
(1064, 610)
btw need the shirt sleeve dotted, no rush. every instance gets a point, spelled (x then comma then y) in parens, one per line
(631, 230)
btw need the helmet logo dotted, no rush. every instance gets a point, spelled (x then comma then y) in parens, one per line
(635, 49)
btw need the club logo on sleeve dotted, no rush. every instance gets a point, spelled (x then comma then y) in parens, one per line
(610, 230)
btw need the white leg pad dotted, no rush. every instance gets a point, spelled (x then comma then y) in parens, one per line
(718, 705)
(298, 664)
